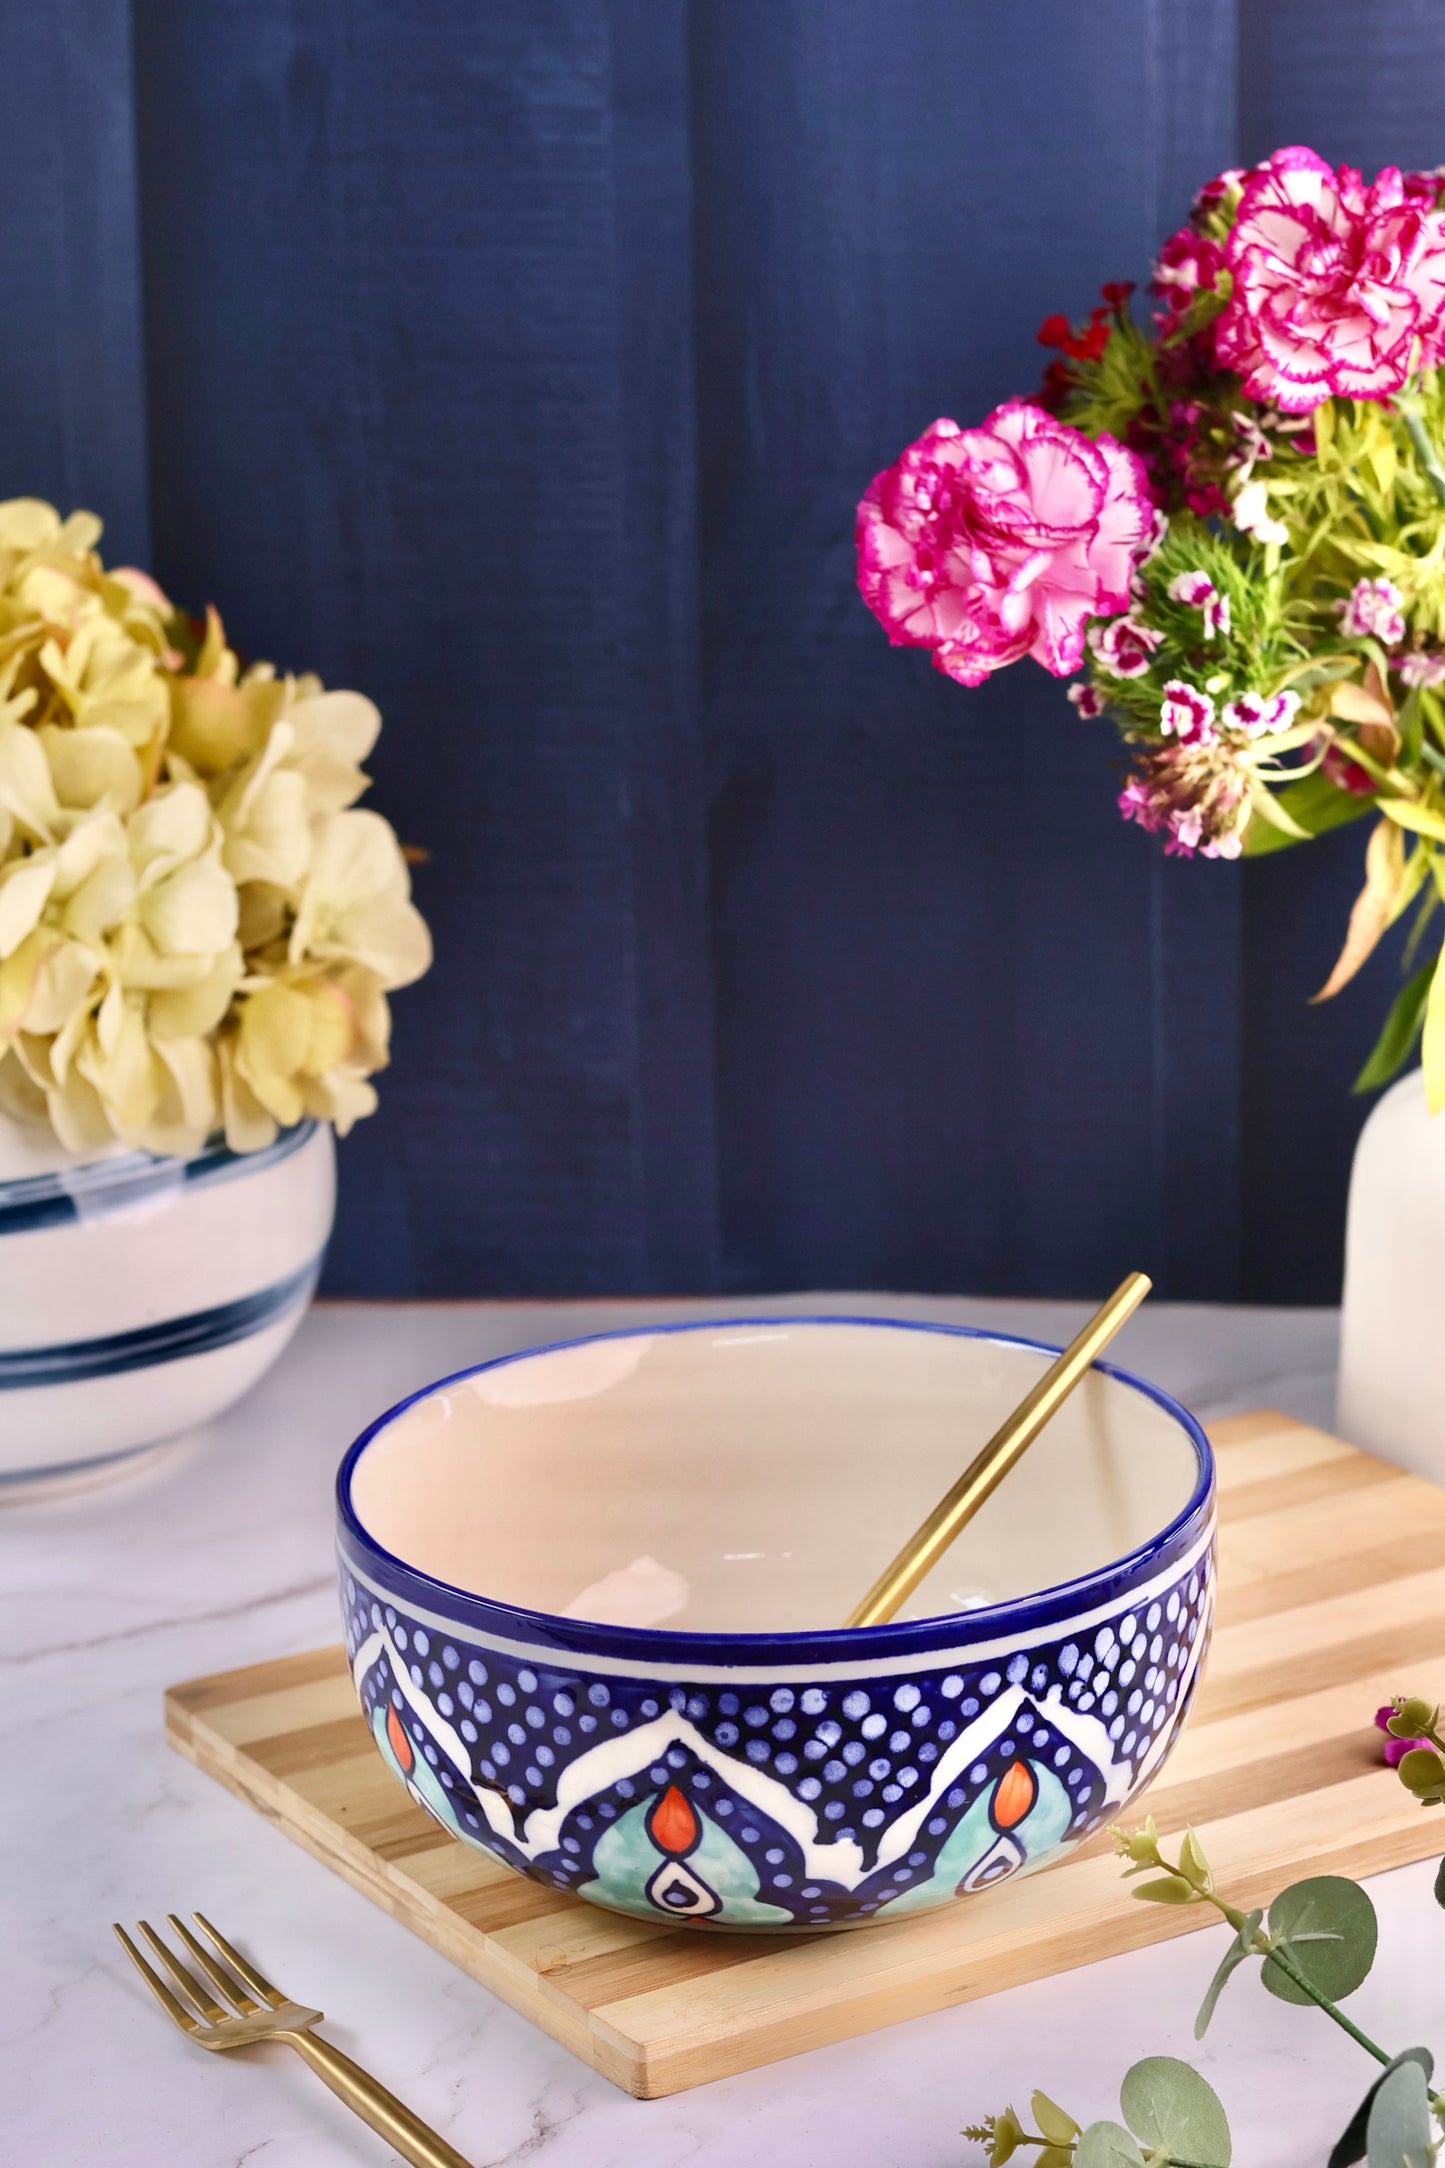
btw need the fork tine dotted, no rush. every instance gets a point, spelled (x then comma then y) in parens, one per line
(155, 1983)
(218, 1976)
(256, 1981)
(188, 1984)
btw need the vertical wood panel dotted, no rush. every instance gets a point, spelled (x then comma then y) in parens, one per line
(419, 314)
(72, 409)
(971, 1032)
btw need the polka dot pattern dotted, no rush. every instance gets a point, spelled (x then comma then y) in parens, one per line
(843, 1762)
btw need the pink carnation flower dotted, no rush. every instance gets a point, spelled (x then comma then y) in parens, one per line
(1188, 262)
(1257, 717)
(1374, 606)
(1187, 714)
(1197, 591)
(1123, 646)
(1087, 701)
(991, 543)
(1337, 288)
(1421, 669)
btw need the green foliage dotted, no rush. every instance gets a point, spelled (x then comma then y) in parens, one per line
(1401, 1029)
(1168, 2105)
(1241, 1948)
(1315, 805)
(1397, 2132)
(1107, 2145)
(1327, 1928)
(1350, 2146)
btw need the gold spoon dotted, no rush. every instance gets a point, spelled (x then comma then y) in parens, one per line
(982, 1476)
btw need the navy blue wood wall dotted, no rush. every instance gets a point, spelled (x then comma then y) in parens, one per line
(522, 366)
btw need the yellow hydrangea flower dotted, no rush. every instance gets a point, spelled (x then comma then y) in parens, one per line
(197, 925)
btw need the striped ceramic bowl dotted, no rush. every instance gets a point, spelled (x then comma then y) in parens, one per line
(141, 1296)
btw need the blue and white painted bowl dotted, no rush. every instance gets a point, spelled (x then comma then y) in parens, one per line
(141, 1296)
(588, 1594)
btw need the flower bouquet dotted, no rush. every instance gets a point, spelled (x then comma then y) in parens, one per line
(198, 927)
(1234, 521)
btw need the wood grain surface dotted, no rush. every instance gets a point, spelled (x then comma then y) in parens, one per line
(1331, 1597)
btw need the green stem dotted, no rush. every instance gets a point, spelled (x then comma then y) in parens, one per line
(1274, 1955)
(1425, 451)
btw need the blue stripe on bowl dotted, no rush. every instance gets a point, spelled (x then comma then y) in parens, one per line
(109, 1185)
(514, 1625)
(168, 1341)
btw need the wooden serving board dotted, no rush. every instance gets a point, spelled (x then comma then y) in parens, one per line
(1331, 1598)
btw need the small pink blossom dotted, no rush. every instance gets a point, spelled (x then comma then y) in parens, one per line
(1258, 717)
(1188, 263)
(1087, 701)
(1123, 646)
(1395, 1749)
(991, 543)
(1187, 714)
(1375, 606)
(1214, 192)
(1338, 288)
(1347, 774)
(1422, 668)
(1198, 592)
(1186, 794)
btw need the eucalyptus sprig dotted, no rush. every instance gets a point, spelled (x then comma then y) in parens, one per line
(1316, 1944)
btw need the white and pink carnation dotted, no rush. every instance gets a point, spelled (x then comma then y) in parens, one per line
(991, 543)
(1086, 700)
(1124, 646)
(1337, 288)
(1197, 591)
(1421, 668)
(1256, 716)
(1187, 713)
(1374, 607)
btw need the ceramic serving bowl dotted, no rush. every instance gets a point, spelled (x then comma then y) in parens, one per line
(589, 1595)
(139, 1296)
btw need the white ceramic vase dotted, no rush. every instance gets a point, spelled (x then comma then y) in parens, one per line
(141, 1296)
(1392, 1346)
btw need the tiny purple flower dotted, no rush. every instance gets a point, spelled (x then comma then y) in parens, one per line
(1374, 606)
(1395, 1749)
(1421, 669)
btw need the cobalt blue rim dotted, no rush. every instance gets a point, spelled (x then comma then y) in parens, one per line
(198, 1333)
(661, 1645)
(34, 1201)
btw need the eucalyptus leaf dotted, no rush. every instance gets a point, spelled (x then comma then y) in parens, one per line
(1055, 2123)
(1328, 1927)
(1440, 1883)
(1397, 2132)
(1315, 804)
(1239, 1949)
(1402, 1026)
(1166, 2103)
(1107, 2145)
(1170, 1889)
(1351, 2146)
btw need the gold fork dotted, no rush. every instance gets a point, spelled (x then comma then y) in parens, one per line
(259, 2011)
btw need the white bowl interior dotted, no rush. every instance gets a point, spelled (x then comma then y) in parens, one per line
(754, 1478)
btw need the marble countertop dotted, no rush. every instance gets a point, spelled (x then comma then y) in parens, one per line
(221, 1554)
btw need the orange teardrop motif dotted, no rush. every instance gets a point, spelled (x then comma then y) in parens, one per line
(401, 1746)
(1017, 1791)
(672, 1825)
